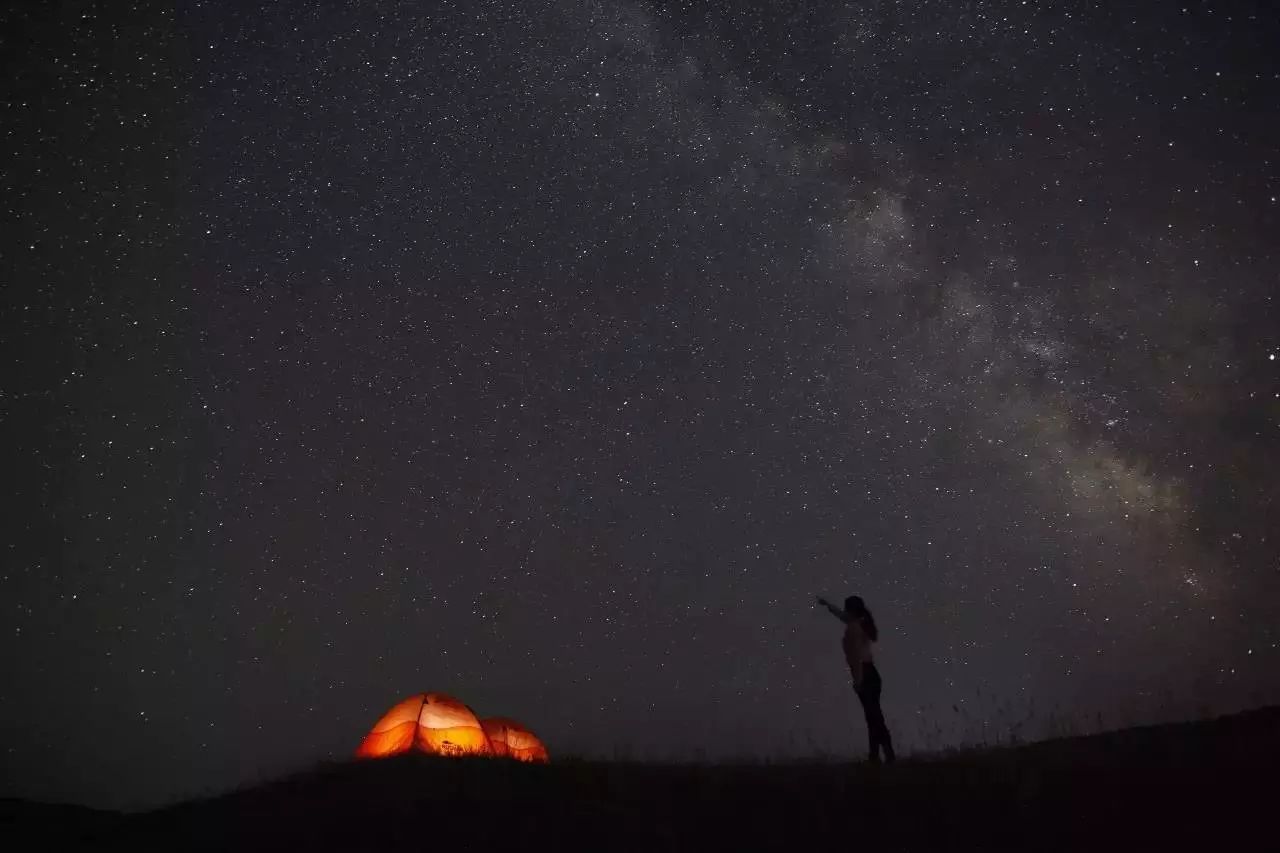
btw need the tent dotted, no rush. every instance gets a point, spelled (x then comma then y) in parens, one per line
(428, 722)
(510, 739)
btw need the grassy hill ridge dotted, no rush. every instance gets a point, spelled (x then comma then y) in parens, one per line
(1196, 785)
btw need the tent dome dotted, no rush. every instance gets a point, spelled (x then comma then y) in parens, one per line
(513, 740)
(427, 722)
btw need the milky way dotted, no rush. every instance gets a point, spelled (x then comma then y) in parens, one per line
(556, 354)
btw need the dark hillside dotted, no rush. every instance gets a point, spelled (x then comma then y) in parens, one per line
(1205, 785)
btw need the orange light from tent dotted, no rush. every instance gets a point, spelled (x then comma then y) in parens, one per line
(511, 739)
(391, 742)
(395, 730)
(429, 722)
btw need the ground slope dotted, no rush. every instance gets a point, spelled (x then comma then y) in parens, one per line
(1203, 785)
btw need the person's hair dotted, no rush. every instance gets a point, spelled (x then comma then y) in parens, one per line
(855, 606)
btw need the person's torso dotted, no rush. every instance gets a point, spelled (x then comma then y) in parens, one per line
(857, 645)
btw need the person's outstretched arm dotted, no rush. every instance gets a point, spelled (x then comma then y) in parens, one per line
(835, 611)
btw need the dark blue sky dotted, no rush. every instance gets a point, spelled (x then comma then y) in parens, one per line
(555, 354)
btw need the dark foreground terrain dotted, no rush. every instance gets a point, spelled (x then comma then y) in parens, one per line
(1195, 786)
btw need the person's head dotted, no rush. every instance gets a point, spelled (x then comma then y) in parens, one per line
(855, 605)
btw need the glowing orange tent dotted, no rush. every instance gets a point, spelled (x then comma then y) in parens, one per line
(428, 722)
(510, 739)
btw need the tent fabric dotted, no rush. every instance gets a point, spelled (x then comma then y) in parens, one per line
(511, 739)
(429, 722)
(395, 732)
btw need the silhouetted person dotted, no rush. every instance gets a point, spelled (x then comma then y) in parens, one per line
(859, 633)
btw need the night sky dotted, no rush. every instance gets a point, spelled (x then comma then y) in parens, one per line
(554, 354)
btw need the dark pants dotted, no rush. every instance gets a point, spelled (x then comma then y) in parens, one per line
(869, 694)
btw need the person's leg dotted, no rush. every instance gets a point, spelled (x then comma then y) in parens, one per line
(882, 736)
(873, 739)
(869, 695)
(876, 716)
(886, 742)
